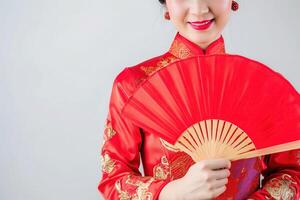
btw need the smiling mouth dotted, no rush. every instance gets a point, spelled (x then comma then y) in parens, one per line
(201, 25)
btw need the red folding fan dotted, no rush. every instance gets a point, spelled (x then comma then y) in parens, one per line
(218, 106)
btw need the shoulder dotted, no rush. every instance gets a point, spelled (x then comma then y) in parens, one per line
(127, 81)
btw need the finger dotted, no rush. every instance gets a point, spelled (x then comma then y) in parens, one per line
(220, 174)
(220, 183)
(215, 164)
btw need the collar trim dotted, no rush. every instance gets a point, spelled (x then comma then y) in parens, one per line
(183, 48)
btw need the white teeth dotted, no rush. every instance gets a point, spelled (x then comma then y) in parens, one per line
(200, 24)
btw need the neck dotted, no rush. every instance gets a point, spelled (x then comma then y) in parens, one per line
(204, 45)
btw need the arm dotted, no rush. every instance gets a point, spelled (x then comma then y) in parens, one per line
(281, 177)
(120, 157)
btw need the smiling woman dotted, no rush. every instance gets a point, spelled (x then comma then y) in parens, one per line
(170, 173)
(200, 21)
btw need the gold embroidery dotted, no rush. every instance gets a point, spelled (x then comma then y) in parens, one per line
(123, 195)
(142, 192)
(180, 162)
(162, 170)
(169, 146)
(149, 70)
(165, 61)
(281, 189)
(109, 132)
(180, 50)
(164, 160)
(159, 173)
(107, 164)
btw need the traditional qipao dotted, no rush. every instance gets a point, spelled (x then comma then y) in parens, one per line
(126, 146)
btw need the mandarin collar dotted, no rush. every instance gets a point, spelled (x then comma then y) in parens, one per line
(184, 48)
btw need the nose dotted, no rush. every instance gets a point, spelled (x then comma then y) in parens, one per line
(199, 7)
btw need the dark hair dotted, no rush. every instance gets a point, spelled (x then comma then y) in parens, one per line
(162, 1)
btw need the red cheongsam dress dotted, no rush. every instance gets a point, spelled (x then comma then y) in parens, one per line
(125, 146)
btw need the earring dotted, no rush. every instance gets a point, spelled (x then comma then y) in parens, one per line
(167, 15)
(234, 6)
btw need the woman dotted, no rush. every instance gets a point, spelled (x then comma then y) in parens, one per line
(170, 173)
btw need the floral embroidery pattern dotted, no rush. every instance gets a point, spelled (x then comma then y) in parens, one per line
(149, 70)
(109, 132)
(180, 162)
(281, 189)
(123, 195)
(140, 191)
(107, 164)
(165, 61)
(162, 170)
(180, 50)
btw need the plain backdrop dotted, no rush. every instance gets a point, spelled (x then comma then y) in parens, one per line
(58, 60)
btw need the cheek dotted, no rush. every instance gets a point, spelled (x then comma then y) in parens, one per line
(221, 6)
(177, 9)
(221, 10)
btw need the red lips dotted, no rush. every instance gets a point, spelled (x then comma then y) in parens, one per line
(201, 25)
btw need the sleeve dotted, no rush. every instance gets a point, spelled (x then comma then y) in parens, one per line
(120, 156)
(281, 173)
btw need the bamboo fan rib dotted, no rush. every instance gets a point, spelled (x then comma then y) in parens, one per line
(214, 139)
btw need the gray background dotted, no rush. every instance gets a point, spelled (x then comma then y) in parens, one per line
(58, 59)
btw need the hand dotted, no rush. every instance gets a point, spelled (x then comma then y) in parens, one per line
(205, 179)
